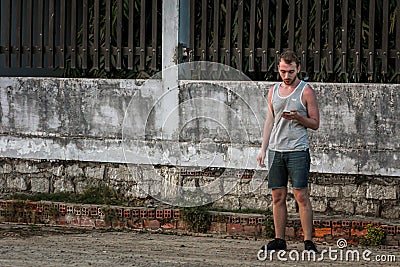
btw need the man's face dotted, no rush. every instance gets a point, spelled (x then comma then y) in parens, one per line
(288, 72)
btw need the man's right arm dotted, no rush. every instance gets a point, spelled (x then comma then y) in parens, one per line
(269, 123)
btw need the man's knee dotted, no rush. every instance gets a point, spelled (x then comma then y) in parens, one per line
(279, 196)
(302, 197)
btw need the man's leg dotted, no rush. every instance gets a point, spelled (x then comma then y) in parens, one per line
(279, 211)
(305, 210)
(278, 181)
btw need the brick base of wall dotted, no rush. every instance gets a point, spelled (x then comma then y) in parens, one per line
(138, 218)
(338, 194)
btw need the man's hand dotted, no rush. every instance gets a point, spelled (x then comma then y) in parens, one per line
(261, 158)
(292, 115)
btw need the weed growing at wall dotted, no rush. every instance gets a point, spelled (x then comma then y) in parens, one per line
(374, 237)
(198, 219)
(100, 195)
(110, 215)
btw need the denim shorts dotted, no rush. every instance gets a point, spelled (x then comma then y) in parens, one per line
(293, 165)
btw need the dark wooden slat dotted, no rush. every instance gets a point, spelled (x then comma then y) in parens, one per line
(119, 35)
(18, 34)
(292, 16)
(357, 46)
(253, 4)
(265, 35)
(85, 34)
(40, 30)
(215, 53)
(8, 46)
(51, 34)
(62, 33)
(278, 33)
(331, 35)
(96, 35)
(73, 33)
(131, 37)
(345, 15)
(28, 33)
(228, 28)
(317, 50)
(385, 36)
(153, 64)
(398, 38)
(239, 47)
(107, 59)
(371, 37)
(304, 35)
(142, 63)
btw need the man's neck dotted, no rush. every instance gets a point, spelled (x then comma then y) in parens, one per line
(293, 85)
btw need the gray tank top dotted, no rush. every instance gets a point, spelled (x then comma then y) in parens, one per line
(288, 135)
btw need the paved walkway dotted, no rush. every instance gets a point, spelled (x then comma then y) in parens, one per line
(26, 245)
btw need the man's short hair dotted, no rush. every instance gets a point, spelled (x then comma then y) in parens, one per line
(289, 56)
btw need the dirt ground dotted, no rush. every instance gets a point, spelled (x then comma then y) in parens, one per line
(25, 245)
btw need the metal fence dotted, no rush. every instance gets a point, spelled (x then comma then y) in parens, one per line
(107, 35)
(337, 40)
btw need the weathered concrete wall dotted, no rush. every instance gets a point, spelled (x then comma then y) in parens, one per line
(359, 133)
(83, 119)
(47, 123)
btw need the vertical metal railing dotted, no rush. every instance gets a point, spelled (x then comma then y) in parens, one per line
(228, 23)
(29, 33)
(385, 37)
(40, 35)
(215, 47)
(7, 44)
(331, 36)
(317, 36)
(74, 20)
(304, 34)
(101, 35)
(265, 37)
(278, 32)
(398, 38)
(371, 37)
(356, 39)
(344, 36)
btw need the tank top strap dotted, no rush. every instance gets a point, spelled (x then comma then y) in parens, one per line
(301, 86)
(275, 92)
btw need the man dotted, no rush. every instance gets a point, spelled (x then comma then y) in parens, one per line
(292, 108)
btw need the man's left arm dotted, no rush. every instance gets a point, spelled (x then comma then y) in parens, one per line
(310, 100)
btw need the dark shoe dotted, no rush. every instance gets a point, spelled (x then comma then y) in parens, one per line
(310, 246)
(276, 244)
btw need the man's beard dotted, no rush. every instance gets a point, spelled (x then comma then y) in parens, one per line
(289, 82)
